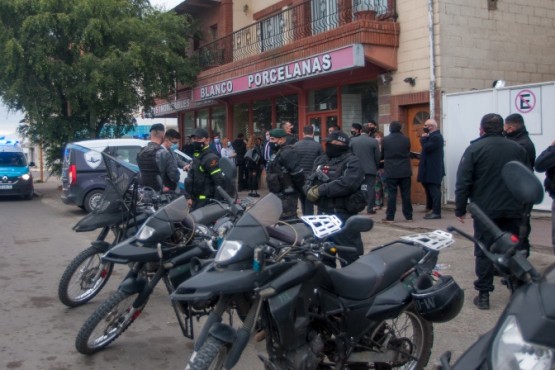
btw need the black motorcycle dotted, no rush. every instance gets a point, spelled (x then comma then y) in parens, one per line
(375, 313)
(164, 249)
(524, 336)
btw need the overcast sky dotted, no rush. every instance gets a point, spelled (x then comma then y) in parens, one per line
(10, 120)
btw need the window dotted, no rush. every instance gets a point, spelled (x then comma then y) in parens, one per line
(287, 109)
(325, 99)
(202, 119)
(324, 15)
(240, 120)
(12, 159)
(261, 116)
(379, 6)
(359, 102)
(125, 153)
(218, 121)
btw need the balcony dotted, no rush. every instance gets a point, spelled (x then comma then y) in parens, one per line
(313, 24)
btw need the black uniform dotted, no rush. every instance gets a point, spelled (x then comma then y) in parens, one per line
(341, 195)
(153, 161)
(285, 178)
(203, 178)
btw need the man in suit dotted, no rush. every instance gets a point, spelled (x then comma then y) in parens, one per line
(308, 150)
(430, 168)
(216, 144)
(367, 150)
(397, 171)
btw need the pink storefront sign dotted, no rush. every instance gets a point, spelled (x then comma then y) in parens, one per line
(349, 57)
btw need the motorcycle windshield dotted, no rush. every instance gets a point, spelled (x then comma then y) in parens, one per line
(176, 211)
(251, 227)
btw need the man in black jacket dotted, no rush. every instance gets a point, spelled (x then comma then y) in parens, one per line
(479, 179)
(546, 163)
(367, 150)
(397, 171)
(240, 147)
(340, 194)
(430, 168)
(308, 150)
(205, 173)
(515, 130)
(284, 175)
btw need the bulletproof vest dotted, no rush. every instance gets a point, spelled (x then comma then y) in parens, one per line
(333, 169)
(277, 177)
(146, 160)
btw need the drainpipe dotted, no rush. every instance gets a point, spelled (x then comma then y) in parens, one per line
(431, 40)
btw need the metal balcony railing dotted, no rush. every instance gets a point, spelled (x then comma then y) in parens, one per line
(306, 19)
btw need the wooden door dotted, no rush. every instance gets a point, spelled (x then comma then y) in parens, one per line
(417, 115)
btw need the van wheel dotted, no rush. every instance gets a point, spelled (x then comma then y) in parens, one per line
(92, 199)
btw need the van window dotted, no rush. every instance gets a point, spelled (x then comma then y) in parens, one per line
(16, 159)
(124, 153)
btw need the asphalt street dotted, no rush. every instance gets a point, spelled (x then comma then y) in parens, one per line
(39, 332)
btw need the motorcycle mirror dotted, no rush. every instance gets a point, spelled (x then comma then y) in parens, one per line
(522, 183)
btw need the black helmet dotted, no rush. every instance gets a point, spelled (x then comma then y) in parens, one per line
(437, 301)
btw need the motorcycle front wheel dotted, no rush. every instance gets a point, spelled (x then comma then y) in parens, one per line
(408, 335)
(107, 323)
(84, 278)
(211, 356)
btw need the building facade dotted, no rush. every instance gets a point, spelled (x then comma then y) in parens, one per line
(336, 62)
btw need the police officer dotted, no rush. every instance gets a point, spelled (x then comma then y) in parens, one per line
(284, 175)
(157, 166)
(205, 173)
(338, 193)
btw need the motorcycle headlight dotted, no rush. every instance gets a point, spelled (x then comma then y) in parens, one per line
(145, 232)
(228, 250)
(511, 352)
(26, 177)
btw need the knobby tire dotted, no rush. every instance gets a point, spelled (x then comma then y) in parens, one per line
(210, 356)
(113, 320)
(78, 263)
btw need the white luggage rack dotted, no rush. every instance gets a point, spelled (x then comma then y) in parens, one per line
(435, 240)
(323, 225)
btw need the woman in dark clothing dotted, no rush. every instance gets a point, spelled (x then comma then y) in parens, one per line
(253, 158)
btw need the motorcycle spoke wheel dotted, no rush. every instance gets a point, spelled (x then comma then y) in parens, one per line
(107, 323)
(408, 335)
(211, 356)
(83, 279)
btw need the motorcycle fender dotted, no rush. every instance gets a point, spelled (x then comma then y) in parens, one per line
(223, 332)
(132, 285)
(101, 246)
(389, 303)
(282, 308)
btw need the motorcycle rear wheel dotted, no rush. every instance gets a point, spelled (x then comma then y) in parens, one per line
(80, 281)
(408, 333)
(107, 323)
(211, 356)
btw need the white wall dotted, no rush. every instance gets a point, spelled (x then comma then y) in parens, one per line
(462, 113)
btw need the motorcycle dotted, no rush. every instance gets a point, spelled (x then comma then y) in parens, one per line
(166, 248)
(375, 313)
(523, 336)
(122, 209)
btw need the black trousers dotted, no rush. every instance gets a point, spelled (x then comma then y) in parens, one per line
(289, 202)
(433, 197)
(306, 205)
(483, 266)
(404, 185)
(369, 191)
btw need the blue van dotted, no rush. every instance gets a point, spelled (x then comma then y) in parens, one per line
(15, 175)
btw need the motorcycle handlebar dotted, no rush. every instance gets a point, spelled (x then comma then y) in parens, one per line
(234, 207)
(485, 220)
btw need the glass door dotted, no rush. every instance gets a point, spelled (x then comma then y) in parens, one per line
(321, 123)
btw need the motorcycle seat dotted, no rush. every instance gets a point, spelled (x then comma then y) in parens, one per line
(375, 271)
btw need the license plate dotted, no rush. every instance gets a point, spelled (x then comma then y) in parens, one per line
(5, 187)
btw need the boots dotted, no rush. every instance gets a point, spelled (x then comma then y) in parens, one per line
(482, 300)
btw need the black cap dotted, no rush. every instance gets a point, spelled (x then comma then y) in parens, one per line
(157, 127)
(357, 126)
(200, 133)
(339, 136)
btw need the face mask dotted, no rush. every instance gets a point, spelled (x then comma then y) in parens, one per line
(333, 150)
(267, 137)
(216, 140)
(197, 146)
(354, 133)
(426, 130)
(274, 147)
(173, 147)
(293, 130)
(229, 144)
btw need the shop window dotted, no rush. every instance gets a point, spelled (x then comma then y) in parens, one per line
(287, 109)
(320, 100)
(240, 120)
(189, 123)
(324, 15)
(261, 117)
(218, 121)
(359, 103)
(202, 119)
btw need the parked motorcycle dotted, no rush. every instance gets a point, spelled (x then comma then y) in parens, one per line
(374, 313)
(123, 208)
(162, 250)
(524, 336)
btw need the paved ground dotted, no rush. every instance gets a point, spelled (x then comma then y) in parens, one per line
(41, 331)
